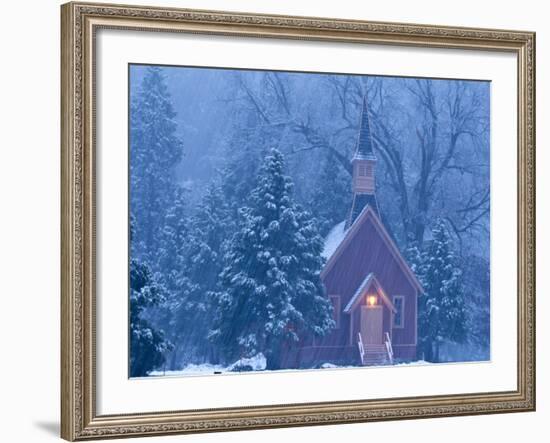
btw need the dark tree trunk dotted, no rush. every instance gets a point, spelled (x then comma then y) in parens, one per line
(273, 357)
(436, 352)
(427, 351)
(174, 359)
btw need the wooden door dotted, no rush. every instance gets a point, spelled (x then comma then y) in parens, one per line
(371, 325)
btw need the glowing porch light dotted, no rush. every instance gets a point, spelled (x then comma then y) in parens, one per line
(371, 300)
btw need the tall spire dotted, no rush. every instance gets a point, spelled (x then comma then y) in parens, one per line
(364, 162)
(364, 149)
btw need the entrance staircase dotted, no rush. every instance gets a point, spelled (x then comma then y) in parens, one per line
(375, 354)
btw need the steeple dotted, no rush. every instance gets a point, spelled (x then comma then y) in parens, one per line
(363, 163)
(364, 149)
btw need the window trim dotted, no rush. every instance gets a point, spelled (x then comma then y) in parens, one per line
(402, 324)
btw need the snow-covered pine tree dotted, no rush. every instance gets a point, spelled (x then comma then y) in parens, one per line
(272, 292)
(148, 345)
(170, 253)
(477, 287)
(331, 199)
(416, 258)
(210, 228)
(172, 238)
(239, 175)
(442, 312)
(155, 150)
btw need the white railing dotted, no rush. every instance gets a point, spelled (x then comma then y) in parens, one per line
(361, 348)
(389, 348)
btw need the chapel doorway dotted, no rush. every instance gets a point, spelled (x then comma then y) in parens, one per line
(371, 324)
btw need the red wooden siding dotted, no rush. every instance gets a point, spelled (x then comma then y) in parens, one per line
(368, 252)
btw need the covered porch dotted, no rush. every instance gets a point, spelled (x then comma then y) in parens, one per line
(371, 316)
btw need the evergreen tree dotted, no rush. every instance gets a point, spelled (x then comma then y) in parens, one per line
(272, 290)
(170, 255)
(172, 240)
(211, 226)
(477, 279)
(155, 150)
(442, 313)
(331, 199)
(239, 176)
(147, 344)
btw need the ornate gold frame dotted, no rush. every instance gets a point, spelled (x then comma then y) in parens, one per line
(79, 420)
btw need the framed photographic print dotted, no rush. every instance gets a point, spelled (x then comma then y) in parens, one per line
(281, 221)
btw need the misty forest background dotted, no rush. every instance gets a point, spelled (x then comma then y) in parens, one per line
(212, 150)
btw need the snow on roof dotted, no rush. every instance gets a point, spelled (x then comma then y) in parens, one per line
(358, 293)
(333, 239)
(337, 235)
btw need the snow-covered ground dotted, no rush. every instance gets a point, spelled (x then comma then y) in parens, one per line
(202, 369)
(256, 364)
